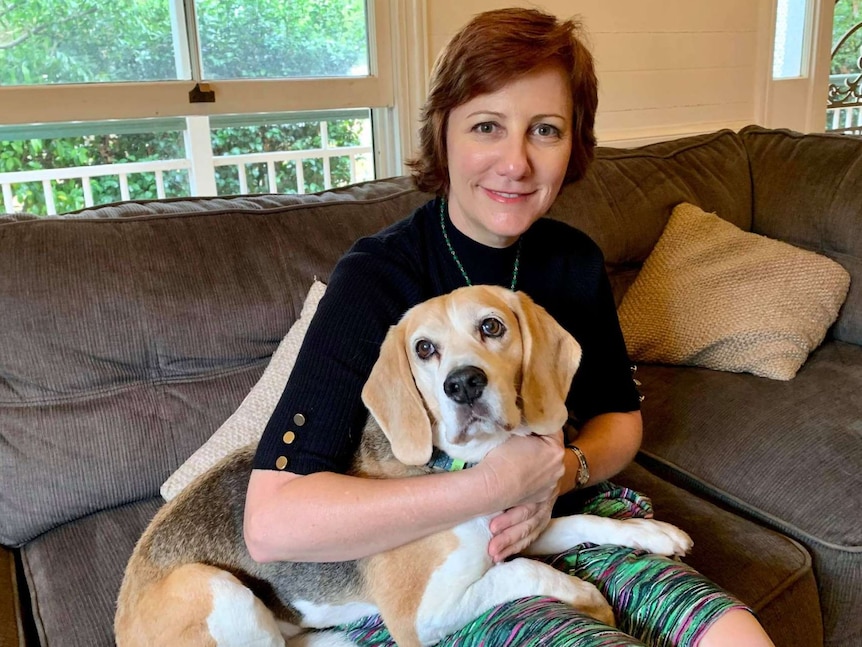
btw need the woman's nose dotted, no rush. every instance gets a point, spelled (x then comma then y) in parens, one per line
(514, 162)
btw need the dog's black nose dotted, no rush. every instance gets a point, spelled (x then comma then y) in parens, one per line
(465, 385)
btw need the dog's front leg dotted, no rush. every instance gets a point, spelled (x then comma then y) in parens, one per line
(447, 608)
(650, 535)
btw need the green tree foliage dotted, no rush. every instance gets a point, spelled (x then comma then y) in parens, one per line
(87, 41)
(84, 41)
(271, 39)
(848, 14)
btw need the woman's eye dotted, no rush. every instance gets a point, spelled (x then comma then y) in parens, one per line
(492, 327)
(485, 128)
(547, 130)
(425, 349)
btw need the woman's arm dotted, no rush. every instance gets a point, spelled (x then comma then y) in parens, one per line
(332, 517)
(609, 441)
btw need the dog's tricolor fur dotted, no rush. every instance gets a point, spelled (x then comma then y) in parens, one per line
(461, 373)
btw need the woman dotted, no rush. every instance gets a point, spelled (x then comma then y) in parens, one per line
(508, 120)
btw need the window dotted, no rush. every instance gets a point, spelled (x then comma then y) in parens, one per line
(788, 59)
(149, 98)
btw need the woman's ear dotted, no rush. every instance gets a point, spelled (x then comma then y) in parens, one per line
(391, 396)
(551, 357)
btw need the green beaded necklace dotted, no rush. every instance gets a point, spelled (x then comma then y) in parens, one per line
(458, 260)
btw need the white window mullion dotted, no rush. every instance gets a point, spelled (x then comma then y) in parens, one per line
(199, 151)
(124, 187)
(48, 192)
(300, 177)
(243, 178)
(88, 191)
(179, 29)
(192, 44)
(160, 184)
(271, 178)
(7, 198)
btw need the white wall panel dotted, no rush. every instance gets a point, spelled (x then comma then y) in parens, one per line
(673, 50)
(666, 68)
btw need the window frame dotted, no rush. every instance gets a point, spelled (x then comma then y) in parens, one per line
(149, 99)
(797, 103)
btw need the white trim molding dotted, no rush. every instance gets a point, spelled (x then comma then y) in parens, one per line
(410, 75)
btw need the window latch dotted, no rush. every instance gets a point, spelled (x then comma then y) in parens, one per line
(201, 93)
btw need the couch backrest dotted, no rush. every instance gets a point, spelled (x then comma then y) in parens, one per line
(627, 196)
(129, 333)
(808, 192)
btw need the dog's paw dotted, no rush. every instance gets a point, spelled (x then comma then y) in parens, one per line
(589, 600)
(658, 537)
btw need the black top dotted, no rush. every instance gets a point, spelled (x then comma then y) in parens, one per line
(384, 275)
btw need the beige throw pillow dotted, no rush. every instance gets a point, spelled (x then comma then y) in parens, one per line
(246, 424)
(713, 295)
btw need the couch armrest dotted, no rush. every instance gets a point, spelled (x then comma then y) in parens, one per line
(11, 629)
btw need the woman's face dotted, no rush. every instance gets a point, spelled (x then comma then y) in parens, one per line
(507, 153)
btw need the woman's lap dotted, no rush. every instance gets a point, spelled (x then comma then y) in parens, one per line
(660, 601)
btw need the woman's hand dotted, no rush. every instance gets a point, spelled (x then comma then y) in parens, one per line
(525, 473)
(517, 528)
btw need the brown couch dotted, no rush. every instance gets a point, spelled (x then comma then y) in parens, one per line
(129, 332)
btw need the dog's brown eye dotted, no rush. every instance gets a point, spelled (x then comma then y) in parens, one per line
(424, 349)
(492, 327)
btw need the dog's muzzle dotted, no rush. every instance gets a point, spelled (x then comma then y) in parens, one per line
(465, 385)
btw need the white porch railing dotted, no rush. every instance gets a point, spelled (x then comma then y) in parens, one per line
(86, 173)
(47, 177)
(353, 153)
(844, 120)
(122, 171)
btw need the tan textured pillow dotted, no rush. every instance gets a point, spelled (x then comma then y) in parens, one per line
(712, 295)
(246, 424)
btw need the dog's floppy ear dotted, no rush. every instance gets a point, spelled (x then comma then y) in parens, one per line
(551, 357)
(391, 396)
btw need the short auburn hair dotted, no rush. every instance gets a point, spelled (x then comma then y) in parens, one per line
(493, 49)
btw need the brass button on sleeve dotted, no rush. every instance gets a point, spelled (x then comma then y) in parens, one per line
(288, 437)
(281, 462)
(299, 419)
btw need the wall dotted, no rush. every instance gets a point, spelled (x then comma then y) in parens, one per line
(666, 68)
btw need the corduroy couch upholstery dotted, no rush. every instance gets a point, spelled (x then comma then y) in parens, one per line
(130, 332)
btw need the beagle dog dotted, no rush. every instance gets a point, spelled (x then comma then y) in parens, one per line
(456, 377)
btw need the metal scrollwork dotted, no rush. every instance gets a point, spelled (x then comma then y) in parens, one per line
(849, 92)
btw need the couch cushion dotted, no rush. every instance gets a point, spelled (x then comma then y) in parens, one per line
(786, 453)
(74, 572)
(245, 425)
(127, 341)
(712, 295)
(626, 197)
(806, 191)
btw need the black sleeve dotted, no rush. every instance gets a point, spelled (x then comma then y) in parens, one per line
(603, 382)
(368, 291)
